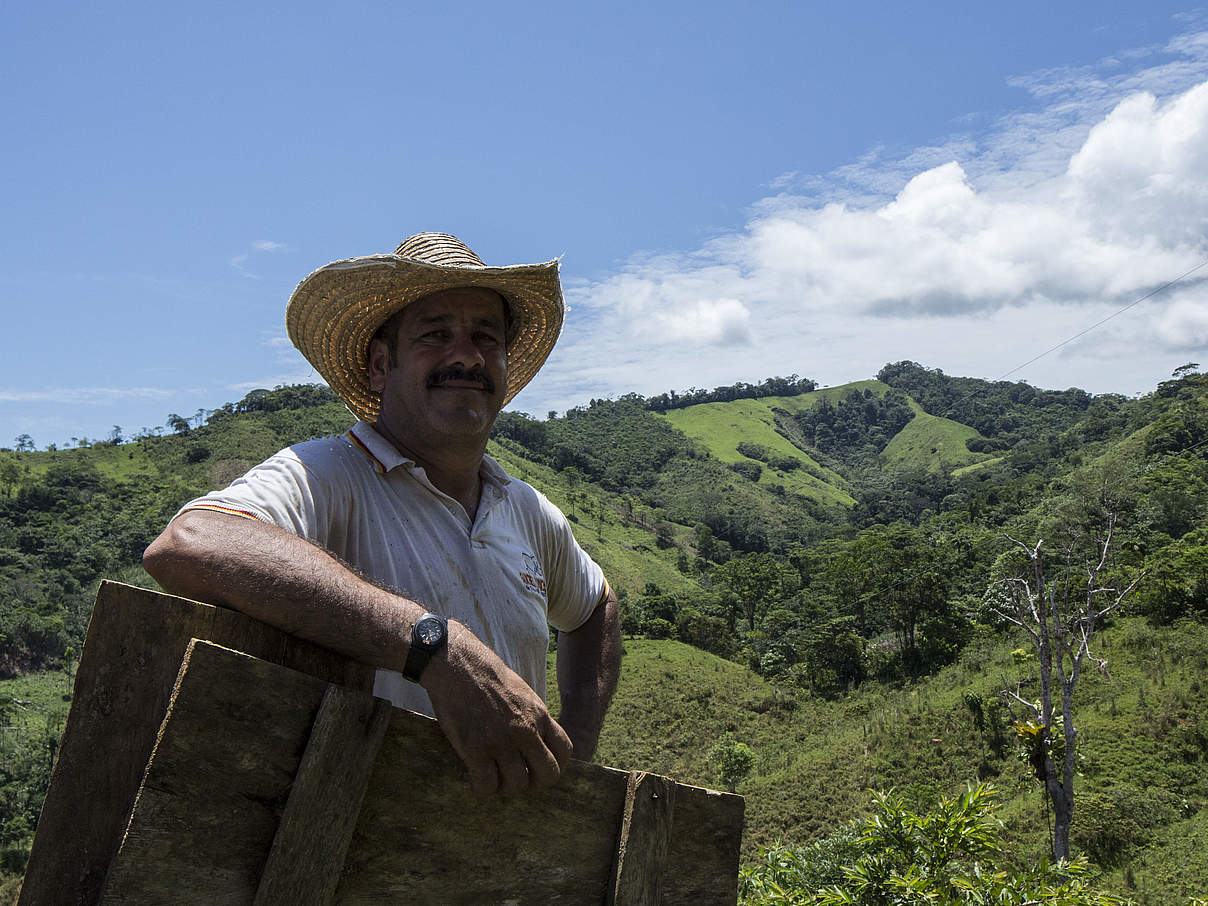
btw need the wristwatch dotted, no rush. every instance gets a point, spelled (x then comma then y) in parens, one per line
(428, 636)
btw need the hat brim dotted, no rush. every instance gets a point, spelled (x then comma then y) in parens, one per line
(334, 312)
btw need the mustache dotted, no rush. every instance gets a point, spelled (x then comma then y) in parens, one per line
(457, 373)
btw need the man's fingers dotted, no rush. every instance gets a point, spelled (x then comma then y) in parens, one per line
(559, 743)
(484, 776)
(497, 724)
(513, 772)
(543, 767)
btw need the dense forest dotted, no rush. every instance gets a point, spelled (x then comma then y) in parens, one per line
(836, 544)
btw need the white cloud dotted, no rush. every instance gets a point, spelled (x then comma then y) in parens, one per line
(974, 255)
(1183, 325)
(240, 262)
(66, 395)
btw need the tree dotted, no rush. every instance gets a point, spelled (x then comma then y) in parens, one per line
(757, 581)
(25, 443)
(1059, 601)
(10, 473)
(178, 423)
(732, 760)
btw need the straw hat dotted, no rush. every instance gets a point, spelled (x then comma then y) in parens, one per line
(333, 313)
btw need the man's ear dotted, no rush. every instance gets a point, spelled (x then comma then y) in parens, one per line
(379, 364)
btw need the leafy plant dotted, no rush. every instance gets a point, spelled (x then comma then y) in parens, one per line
(950, 856)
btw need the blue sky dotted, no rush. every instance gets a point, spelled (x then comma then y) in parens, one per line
(736, 190)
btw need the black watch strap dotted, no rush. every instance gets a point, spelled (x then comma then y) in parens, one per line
(428, 636)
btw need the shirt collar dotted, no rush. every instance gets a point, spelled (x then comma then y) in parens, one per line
(385, 456)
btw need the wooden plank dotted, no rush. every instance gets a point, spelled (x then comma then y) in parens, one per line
(131, 658)
(642, 848)
(424, 839)
(312, 839)
(702, 855)
(207, 813)
(217, 782)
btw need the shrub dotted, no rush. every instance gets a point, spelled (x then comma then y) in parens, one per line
(732, 760)
(753, 451)
(748, 470)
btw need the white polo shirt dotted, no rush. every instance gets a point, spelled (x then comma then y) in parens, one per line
(508, 575)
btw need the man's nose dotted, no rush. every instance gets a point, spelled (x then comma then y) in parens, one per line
(463, 349)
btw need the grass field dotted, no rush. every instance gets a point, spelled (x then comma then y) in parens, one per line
(33, 700)
(720, 427)
(932, 443)
(1142, 766)
(618, 534)
(927, 442)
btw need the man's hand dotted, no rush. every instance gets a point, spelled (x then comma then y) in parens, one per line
(496, 723)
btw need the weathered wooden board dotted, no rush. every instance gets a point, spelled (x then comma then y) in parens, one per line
(218, 781)
(316, 828)
(701, 865)
(642, 848)
(238, 726)
(136, 641)
(425, 838)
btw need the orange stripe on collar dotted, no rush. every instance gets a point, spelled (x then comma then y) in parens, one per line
(360, 445)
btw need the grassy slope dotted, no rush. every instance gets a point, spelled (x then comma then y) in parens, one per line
(42, 697)
(720, 427)
(927, 441)
(623, 547)
(817, 760)
(933, 443)
(966, 470)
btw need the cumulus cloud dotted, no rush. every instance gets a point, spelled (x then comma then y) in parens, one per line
(974, 255)
(1183, 325)
(240, 262)
(83, 394)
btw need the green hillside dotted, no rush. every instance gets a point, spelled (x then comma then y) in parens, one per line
(926, 442)
(721, 427)
(930, 442)
(810, 573)
(1144, 783)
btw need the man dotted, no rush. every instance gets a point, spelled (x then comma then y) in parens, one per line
(401, 543)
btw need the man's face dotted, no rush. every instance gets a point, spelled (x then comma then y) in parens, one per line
(451, 375)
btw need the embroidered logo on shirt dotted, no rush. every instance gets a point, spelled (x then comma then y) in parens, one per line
(531, 573)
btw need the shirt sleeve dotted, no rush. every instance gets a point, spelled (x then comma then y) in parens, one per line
(575, 582)
(279, 491)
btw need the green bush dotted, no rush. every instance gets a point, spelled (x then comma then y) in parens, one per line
(951, 856)
(732, 760)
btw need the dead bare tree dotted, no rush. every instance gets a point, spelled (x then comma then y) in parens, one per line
(1060, 614)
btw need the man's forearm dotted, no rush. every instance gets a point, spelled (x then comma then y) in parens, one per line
(589, 665)
(281, 579)
(495, 722)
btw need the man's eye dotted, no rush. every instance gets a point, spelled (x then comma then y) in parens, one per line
(488, 339)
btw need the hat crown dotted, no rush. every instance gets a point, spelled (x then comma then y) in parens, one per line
(438, 248)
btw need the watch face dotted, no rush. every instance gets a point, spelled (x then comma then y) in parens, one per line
(429, 632)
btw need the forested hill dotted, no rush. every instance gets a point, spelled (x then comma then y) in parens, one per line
(827, 544)
(827, 491)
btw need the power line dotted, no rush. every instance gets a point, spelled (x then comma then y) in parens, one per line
(1081, 333)
(1149, 295)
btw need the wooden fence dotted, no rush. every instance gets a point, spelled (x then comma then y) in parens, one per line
(209, 758)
